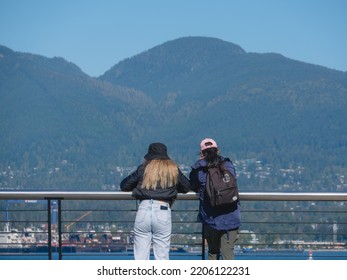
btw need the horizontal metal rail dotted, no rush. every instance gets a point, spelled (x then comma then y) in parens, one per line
(117, 195)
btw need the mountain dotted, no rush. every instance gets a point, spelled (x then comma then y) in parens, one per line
(254, 104)
(51, 110)
(265, 106)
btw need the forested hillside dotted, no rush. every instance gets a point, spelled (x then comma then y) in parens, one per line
(61, 129)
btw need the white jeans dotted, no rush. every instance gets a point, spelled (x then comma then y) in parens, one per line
(152, 224)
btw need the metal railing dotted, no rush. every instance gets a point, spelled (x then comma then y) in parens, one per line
(271, 222)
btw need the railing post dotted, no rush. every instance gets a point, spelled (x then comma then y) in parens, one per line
(49, 228)
(203, 243)
(60, 231)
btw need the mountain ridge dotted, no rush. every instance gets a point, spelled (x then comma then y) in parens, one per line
(267, 106)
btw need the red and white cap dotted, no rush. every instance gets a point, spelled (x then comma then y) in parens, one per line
(208, 143)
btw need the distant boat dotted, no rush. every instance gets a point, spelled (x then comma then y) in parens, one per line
(10, 238)
(178, 249)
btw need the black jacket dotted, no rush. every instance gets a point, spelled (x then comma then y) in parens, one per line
(134, 180)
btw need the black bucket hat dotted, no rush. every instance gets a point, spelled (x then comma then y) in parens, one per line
(156, 151)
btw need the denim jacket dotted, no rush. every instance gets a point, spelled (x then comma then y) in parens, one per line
(219, 219)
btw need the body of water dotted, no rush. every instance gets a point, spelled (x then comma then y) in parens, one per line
(252, 255)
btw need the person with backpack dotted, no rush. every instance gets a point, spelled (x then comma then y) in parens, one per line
(156, 183)
(214, 178)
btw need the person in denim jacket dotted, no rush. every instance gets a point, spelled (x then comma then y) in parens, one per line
(220, 225)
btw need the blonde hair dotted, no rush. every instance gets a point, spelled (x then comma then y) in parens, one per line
(161, 172)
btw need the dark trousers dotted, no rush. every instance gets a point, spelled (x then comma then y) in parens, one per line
(220, 243)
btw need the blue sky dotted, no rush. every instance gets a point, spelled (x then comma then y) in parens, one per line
(97, 34)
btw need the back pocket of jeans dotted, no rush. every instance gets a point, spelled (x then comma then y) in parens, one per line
(140, 215)
(163, 216)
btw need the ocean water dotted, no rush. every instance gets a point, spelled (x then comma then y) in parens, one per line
(253, 255)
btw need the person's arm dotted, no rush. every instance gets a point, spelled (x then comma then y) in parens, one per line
(230, 166)
(194, 180)
(130, 182)
(183, 185)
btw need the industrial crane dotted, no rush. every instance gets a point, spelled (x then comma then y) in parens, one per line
(67, 227)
